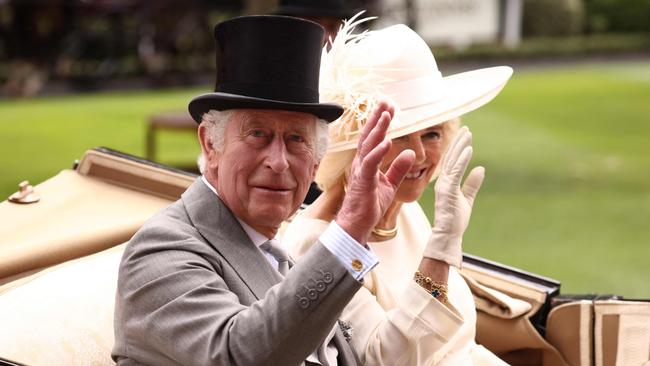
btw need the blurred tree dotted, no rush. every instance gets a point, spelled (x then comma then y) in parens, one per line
(552, 17)
(31, 35)
(174, 38)
(88, 42)
(92, 42)
(98, 40)
(259, 6)
(618, 16)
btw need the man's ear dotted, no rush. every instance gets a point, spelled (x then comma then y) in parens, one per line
(210, 154)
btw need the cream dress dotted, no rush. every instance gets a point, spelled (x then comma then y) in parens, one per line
(394, 321)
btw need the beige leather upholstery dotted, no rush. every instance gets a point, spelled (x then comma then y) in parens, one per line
(62, 315)
(621, 333)
(569, 328)
(601, 333)
(81, 212)
(504, 305)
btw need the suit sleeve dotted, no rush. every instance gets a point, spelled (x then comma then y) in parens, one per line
(174, 307)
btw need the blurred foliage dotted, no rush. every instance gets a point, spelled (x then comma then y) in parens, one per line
(618, 15)
(570, 17)
(552, 17)
(552, 47)
(85, 44)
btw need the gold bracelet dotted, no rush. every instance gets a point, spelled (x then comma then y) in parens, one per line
(385, 233)
(436, 289)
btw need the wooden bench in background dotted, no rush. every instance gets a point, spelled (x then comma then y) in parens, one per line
(176, 121)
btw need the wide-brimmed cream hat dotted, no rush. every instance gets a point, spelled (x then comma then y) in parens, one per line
(395, 63)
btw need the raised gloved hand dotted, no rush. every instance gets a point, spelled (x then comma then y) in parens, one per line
(453, 205)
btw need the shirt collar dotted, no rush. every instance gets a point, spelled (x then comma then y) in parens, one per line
(255, 236)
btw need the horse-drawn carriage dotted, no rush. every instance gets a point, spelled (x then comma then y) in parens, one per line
(61, 243)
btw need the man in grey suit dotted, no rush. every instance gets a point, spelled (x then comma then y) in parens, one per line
(204, 282)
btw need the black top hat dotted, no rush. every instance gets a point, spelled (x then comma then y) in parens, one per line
(267, 62)
(314, 8)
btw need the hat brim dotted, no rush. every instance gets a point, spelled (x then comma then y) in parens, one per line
(299, 11)
(224, 101)
(463, 93)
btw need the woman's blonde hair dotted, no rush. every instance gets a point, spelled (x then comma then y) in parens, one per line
(335, 167)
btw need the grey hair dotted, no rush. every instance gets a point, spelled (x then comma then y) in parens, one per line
(215, 123)
(322, 138)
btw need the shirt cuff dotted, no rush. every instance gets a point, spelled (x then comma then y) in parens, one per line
(353, 256)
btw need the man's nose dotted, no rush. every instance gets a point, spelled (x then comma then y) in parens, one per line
(276, 155)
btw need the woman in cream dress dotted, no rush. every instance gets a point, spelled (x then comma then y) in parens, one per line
(393, 319)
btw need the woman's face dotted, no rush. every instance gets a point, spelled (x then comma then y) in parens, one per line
(428, 146)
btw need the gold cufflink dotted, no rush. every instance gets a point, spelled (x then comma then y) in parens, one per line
(357, 265)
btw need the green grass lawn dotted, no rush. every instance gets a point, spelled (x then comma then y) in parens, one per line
(567, 153)
(567, 190)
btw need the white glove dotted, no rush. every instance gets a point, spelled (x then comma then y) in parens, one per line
(453, 205)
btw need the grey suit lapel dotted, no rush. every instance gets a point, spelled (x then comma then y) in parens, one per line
(219, 227)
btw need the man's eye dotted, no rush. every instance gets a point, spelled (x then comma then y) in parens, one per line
(257, 133)
(297, 138)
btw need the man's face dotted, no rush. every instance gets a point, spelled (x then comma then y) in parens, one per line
(266, 165)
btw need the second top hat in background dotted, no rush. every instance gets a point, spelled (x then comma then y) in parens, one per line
(315, 8)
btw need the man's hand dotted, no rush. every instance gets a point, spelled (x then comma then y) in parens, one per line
(370, 191)
(453, 206)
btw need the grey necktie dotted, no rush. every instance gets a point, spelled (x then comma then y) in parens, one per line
(280, 254)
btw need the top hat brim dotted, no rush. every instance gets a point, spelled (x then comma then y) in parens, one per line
(224, 101)
(299, 11)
